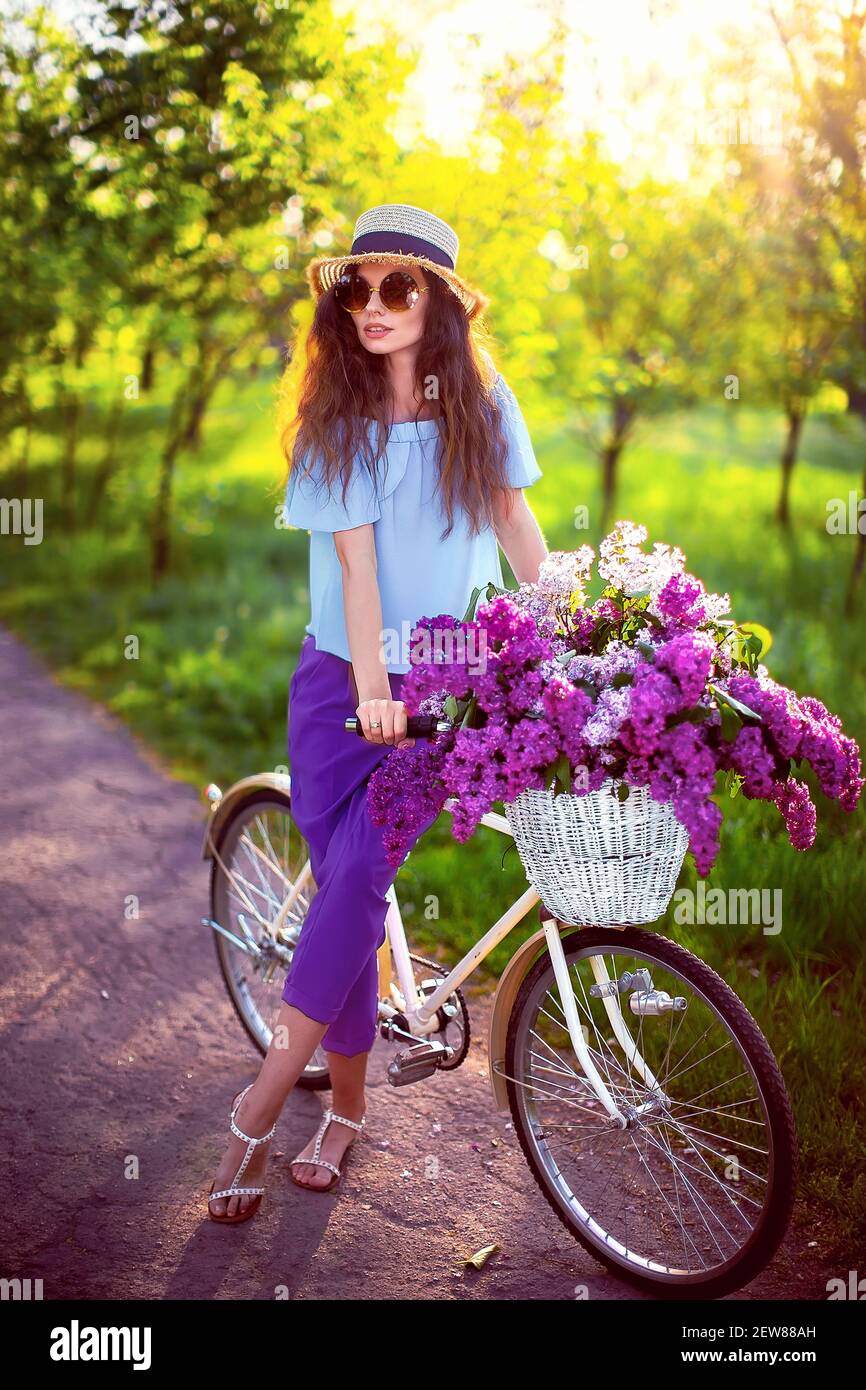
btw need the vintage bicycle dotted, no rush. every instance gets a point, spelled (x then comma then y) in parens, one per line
(646, 1099)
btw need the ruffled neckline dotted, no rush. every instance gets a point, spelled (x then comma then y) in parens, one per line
(407, 430)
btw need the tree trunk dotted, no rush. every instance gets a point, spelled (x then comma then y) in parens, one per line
(70, 410)
(189, 404)
(161, 526)
(192, 437)
(789, 458)
(148, 363)
(109, 459)
(26, 420)
(609, 470)
(622, 418)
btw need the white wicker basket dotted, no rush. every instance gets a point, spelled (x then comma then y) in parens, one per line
(594, 859)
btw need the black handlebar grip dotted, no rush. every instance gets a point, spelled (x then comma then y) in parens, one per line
(417, 726)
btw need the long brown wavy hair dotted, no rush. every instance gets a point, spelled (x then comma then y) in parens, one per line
(341, 387)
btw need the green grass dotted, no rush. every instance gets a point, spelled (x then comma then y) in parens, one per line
(218, 641)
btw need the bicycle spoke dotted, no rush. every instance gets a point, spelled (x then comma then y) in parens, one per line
(258, 862)
(656, 1192)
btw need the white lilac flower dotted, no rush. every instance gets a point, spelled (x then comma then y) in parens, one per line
(582, 668)
(716, 605)
(621, 561)
(607, 718)
(624, 564)
(557, 573)
(617, 657)
(665, 561)
(548, 669)
(583, 562)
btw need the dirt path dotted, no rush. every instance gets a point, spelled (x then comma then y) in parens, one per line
(121, 1049)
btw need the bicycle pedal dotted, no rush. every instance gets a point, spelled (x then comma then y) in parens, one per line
(418, 1062)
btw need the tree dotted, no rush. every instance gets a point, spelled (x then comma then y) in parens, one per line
(205, 150)
(654, 293)
(824, 45)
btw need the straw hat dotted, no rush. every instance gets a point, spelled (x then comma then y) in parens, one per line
(405, 234)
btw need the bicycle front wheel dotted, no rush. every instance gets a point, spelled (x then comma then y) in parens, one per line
(692, 1198)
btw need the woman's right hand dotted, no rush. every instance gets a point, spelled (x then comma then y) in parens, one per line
(390, 717)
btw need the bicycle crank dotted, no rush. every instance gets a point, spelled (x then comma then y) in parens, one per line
(419, 1061)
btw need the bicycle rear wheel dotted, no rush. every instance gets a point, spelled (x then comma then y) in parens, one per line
(691, 1199)
(262, 852)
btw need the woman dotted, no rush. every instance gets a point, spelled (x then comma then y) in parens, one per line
(408, 461)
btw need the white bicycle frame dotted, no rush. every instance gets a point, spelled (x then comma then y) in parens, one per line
(420, 1010)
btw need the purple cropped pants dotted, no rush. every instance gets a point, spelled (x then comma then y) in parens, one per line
(334, 971)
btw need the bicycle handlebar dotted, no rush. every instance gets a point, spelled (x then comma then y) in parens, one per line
(417, 726)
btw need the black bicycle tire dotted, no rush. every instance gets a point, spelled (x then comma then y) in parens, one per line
(321, 1082)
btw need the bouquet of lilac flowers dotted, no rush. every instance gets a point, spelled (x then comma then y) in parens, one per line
(651, 685)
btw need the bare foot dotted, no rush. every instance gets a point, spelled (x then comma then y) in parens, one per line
(253, 1124)
(336, 1141)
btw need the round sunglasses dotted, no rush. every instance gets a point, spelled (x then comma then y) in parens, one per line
(398, 291)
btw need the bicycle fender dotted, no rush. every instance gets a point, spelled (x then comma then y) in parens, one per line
(510, 981)
(220, 811)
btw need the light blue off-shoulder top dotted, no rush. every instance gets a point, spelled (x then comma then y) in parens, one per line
(419, 574)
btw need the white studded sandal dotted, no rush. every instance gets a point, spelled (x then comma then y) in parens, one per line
(314, 1158)
(234, 1190)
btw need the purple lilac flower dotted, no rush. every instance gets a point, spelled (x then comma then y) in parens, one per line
(680, 602)
(618, 658)
(683, 772)
(653, 697)
(795, 804)
(607, 718)
(804, 729)
(404, 793)
(608, 610)
(687, 659)
(750, 757)
(684, 603)
(530, 710)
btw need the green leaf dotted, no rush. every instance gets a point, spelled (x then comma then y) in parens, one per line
(742, 710)
(622, 791)
(587, 686)
(762, 634)
(647, 651)
(696, 715)
(471, 706)
(451, 708)
(731, 723)
(622, 678)
(733, 782)
(470, 611)
(558, 772)
(563, 771)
